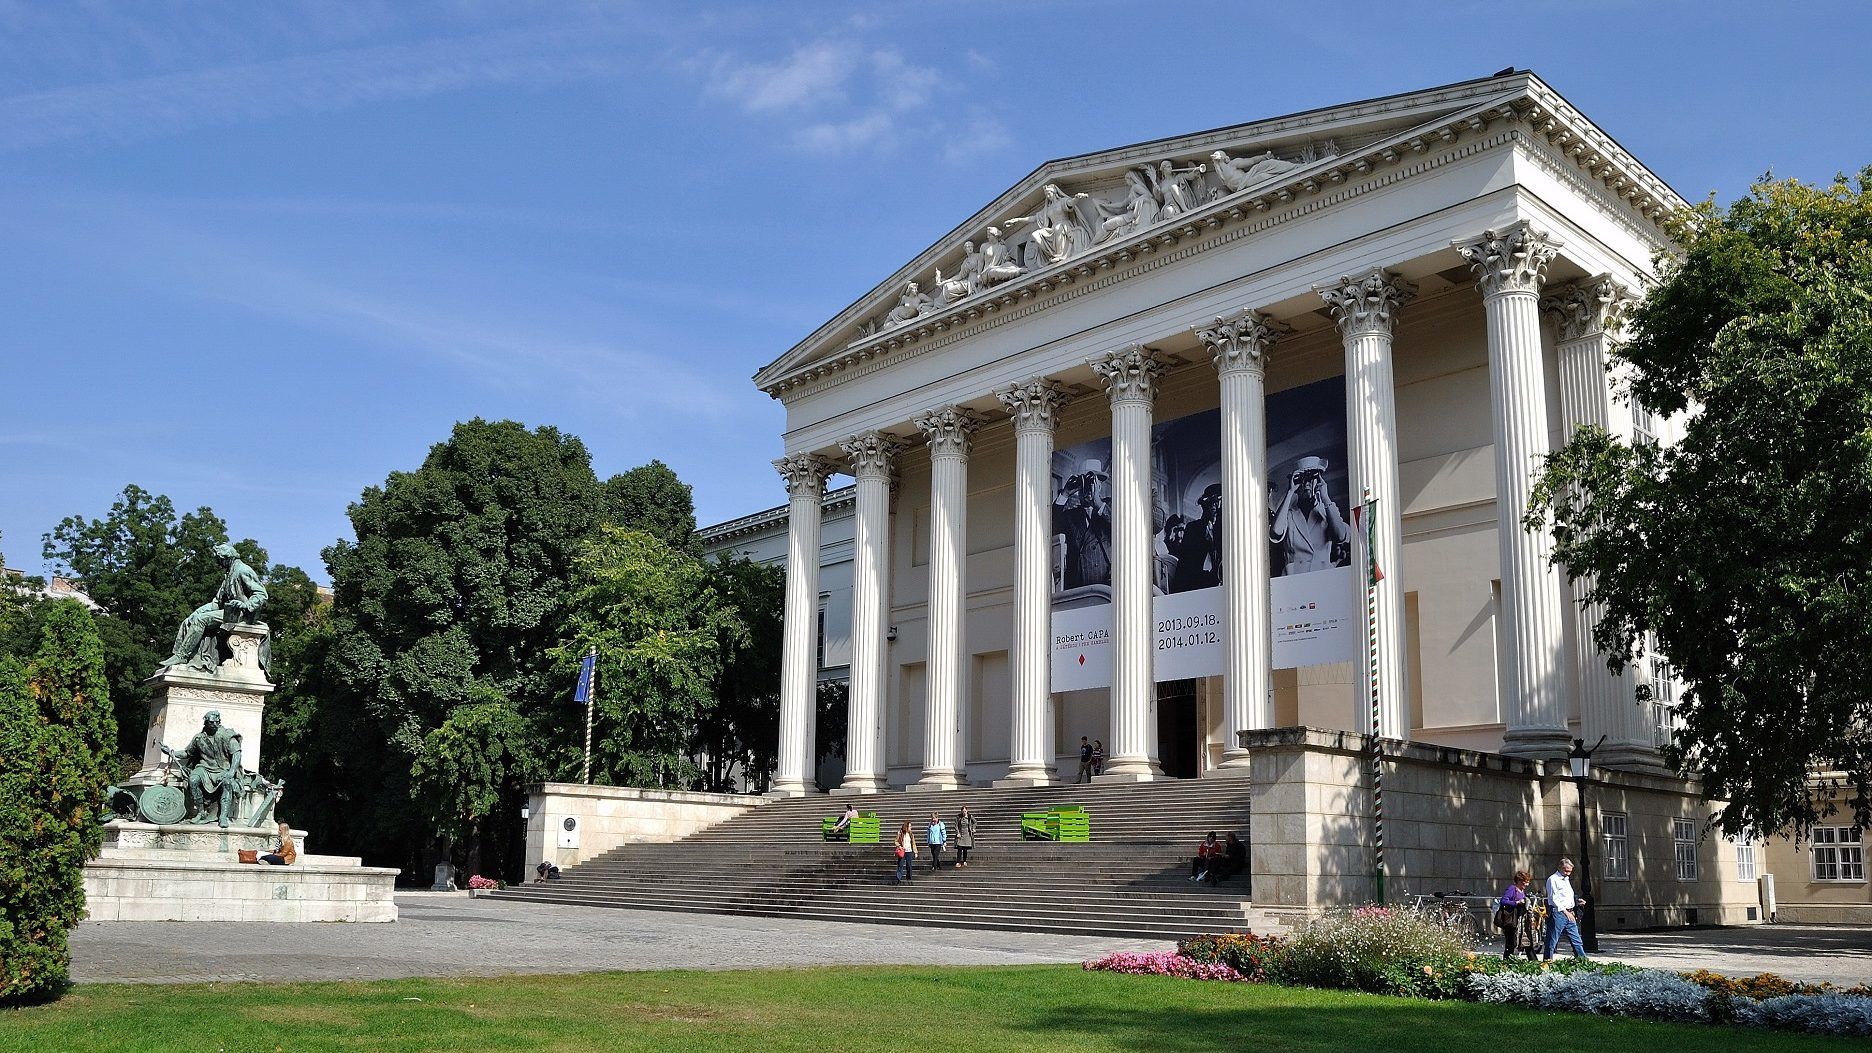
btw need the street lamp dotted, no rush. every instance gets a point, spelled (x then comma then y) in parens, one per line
(1579, 762)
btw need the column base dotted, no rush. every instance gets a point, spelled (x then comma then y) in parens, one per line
(1136, 770)
(1028, 777)
(1537, 743)
(1232, 767)
(936, 783)
(789, 789)
(857, 785)
(1624, 757)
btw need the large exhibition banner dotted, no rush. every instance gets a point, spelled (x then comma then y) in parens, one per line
(1314, 588)
(1314, 593)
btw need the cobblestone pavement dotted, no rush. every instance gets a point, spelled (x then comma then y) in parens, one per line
(1835, 953)
(453, 935)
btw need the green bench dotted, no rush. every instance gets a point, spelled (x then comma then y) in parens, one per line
(1057, 824)
(863, 830)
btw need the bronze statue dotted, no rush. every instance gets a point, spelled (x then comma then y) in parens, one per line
(237, 601)
(212, 766)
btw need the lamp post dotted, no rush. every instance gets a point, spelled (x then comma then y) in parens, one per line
(1579, 762)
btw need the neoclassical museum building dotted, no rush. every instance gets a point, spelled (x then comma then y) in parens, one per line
(1132, 443)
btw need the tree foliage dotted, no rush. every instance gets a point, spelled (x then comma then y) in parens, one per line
(148, 568)
(479, 757)
(1743, 548)
(660, 630)
(57, 753)
(738, 737)
(651, 498)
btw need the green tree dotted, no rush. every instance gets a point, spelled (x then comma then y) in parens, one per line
(57, 754)
(742, 729)
(148, 568)
(659, 628)
(1742, 548)
(651, 498)
(477, 759)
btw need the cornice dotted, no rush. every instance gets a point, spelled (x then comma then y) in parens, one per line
(758, 522)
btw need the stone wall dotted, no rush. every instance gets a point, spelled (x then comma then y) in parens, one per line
(1464, 821)
(613, 816)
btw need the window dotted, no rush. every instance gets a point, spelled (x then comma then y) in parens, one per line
(1684, 848)
(1837, 854)
(1745, 858)
(1661, 677)
(1643, 424)
(1614, 828)
(819, 649)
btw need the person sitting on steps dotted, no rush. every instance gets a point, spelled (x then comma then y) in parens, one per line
(287, 854)
(1207, 853)
(842, 830)
(1233, 860)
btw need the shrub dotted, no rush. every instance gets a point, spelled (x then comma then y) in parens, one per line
(1763, 985)
(1162, 964)
(58, 740)
(1255, 957)
(1382, 950)
(1646, 993)
(1825, 1014)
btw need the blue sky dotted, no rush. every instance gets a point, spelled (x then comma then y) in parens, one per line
(258, 255)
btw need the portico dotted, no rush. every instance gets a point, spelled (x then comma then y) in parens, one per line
(1402, 248)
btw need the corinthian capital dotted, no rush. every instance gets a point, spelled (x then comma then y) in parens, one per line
(871, 454)
(1510, 261)
(1033, 404)
(805, 474)
(1367, 304)
(948, 431)
(1241, 340)
(1130, 374)
(1589, 307)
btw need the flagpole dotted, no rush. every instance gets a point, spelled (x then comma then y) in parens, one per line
(1371, 680)
(591, 699)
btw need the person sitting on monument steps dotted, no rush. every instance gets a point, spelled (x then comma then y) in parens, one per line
(1208, 854)
(238, 600)
(212, 765)
(841, 831)
(1232, 861)
(288, 853)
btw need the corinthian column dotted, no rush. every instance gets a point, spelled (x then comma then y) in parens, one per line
(948, 431)
(1510, 265)
(1035, 407)
(871, 455)
(1130, 377)
(1239, 344)
(1587, 316)
(799, 666)
(1366, 309)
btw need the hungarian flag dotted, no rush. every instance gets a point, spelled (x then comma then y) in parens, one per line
(588, 667)
(1373, 573)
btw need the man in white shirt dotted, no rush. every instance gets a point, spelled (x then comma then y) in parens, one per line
(1562, 911)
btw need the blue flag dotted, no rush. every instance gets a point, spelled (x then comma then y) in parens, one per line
(587, 667)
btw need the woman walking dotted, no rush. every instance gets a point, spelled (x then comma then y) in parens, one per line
(964, 835)
(1512, 917)
(1098, 757)
(906, 854)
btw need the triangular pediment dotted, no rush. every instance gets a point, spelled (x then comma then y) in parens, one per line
(1080, 213)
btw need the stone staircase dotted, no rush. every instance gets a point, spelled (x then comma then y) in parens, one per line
(1130, 880)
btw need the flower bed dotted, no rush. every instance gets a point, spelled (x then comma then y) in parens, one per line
(1398, 951)
(479, 883)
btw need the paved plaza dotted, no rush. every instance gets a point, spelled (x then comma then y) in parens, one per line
(453, 935)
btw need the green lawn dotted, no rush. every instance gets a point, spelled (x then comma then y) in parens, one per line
(903, 1010)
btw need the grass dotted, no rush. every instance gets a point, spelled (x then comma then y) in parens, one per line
(948, 1010)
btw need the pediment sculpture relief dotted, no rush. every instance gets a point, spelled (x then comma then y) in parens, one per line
(1067, 224)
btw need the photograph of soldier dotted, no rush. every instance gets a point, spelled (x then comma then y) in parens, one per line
(1199, 555)
(1082, 521)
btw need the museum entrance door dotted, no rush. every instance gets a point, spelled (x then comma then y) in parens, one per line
(1178, 736)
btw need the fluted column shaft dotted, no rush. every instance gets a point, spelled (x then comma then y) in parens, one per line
(799, 664)
(1034, 406)
(871, 456)
(1510, 265)
(1240, 344)
(1366, 309)
(1130, 377)
(948, 431)
(1587, 314)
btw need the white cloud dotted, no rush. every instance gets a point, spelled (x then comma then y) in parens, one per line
(813, 75)
(842, 136)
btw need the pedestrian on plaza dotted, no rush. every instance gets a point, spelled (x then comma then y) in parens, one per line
(1207, 853)
(1514, 917)
(906, 854)
(1098, 756)
(1561, 907)
(1085, 760)
(964, 835)
(938, 836)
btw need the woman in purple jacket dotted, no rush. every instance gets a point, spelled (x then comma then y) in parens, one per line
(1513, 917)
